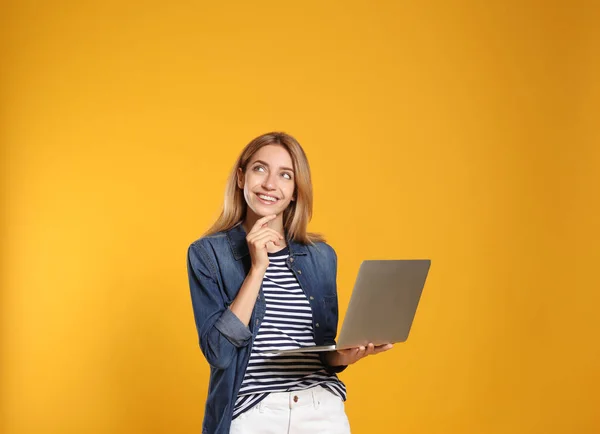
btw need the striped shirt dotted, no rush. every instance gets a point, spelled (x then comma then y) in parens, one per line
(287, 324)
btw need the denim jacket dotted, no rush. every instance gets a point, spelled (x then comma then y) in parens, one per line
(217, 267)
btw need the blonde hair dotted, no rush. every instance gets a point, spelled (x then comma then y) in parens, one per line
(298, 213)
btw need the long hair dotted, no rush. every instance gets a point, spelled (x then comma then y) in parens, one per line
(298, 213)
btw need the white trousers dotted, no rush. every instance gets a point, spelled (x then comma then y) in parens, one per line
(310, 411)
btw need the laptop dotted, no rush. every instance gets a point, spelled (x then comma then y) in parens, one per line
(382, 305)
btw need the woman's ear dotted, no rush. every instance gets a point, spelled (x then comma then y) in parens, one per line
(240, 178)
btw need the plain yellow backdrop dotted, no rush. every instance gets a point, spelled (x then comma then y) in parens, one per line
(461, 131)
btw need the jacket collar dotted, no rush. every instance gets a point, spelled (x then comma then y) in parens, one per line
(237, 241)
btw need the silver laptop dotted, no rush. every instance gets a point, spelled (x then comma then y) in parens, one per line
(382, 306)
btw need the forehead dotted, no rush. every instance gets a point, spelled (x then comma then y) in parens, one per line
(275, 155)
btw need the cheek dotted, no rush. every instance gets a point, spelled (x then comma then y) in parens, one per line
(250, 183)
(289, 194)
(247, 193)
(290, 190)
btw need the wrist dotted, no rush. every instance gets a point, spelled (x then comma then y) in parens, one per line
(331, 358)
(258, 271)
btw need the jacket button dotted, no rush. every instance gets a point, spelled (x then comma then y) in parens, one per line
(311, 297)
(256, 322)
(317, 325)
(296, 398)
(299, 271)
(291, 259)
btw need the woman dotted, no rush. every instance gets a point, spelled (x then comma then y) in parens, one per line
(260, 283)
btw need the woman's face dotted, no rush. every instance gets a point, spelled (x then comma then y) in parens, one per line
(269, 181)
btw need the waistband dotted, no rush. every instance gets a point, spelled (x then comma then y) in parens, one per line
(313, 396)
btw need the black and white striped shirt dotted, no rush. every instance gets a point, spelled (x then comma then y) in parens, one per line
(287, 324)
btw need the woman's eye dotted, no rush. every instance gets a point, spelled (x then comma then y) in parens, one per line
(287, 176)
(257, 168)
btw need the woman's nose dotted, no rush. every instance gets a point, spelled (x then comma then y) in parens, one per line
(269, 182)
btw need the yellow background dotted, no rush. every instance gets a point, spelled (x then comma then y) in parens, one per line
(462, 131)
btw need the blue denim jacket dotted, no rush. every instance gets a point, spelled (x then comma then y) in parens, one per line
(217, 267)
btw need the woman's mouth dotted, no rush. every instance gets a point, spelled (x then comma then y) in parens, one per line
(266, 199)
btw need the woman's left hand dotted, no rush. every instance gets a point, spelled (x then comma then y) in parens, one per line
(353, 355)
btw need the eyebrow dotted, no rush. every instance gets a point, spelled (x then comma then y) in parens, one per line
(267, 164)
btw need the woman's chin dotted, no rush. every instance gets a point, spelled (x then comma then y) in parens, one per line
(263, 211)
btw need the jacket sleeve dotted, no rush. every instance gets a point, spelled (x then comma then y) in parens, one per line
(220, 331)
(323, 354)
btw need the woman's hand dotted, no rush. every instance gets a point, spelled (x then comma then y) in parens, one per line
(353, 355)
(259, 236)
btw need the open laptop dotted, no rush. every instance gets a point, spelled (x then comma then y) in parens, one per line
(382, 305)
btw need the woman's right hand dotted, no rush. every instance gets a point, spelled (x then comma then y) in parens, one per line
(259, 236)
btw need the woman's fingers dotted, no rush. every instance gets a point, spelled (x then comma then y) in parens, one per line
(261, 232)
(361, 352)
(267, 232)
(364, 351)
(353, 355)
(261, 241)
(262, 221)
(381, 348)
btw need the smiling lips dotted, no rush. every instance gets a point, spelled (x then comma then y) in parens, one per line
(266, 199)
